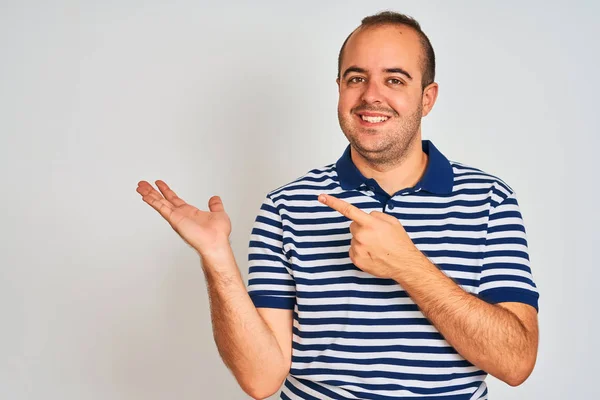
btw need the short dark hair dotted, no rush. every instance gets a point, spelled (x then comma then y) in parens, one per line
(394, 18)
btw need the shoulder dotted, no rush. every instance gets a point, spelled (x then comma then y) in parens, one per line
(311, 183)
(468, 178)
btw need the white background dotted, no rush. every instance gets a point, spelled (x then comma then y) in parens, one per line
(100, 299)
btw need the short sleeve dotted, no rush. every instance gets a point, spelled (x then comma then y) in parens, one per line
(506, 273)
(270, 283)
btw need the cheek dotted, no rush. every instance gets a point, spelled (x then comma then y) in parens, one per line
(348, 99)
(403, 105)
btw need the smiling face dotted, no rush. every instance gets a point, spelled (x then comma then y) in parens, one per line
(381, 100)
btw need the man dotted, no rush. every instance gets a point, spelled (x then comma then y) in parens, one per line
(393, 273)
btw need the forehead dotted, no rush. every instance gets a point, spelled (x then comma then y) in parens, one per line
(388, 46)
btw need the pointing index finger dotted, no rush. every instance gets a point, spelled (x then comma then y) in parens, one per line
(345, 208)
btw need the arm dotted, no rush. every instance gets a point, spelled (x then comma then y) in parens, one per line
(255, 344)
(501, 339)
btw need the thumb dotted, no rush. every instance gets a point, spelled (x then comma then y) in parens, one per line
(215, 204)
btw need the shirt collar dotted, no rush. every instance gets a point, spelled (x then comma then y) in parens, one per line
(438, 177)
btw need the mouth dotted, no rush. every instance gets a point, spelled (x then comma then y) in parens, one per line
(371, 119)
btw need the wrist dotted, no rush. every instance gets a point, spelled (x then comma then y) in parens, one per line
(219, 266)
(412, 266)
(217, 244)
(218, 254)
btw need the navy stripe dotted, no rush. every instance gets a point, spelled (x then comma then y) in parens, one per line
(386, 361)
(515, 278)
(367, 335)
(363, 321)
(382, 374)
(270, 270)
(267, 234)
(357, 307)
(346, 279)
(352, 293)
(298, 392)
(376, 349)
(491, 267)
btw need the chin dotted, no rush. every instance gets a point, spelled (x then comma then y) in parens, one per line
(369, 146)
(369, 139)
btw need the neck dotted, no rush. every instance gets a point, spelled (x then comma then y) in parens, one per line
(404, 174)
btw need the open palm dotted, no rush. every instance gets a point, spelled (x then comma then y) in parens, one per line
(203, 230)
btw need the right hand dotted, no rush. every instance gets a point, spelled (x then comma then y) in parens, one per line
(206, 231)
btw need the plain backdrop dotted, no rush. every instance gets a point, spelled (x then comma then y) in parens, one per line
(100, 299)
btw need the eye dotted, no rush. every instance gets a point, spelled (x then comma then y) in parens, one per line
(356, 79)
(395, 81)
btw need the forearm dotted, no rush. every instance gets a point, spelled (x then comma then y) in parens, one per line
(487, 335)
(246, 344)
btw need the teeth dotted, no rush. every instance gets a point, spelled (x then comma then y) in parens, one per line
(373, 119)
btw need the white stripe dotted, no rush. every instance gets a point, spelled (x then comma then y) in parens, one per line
(507, 234)
(507, 260)
(290, 394)
(444, 221)
(369, 315)
(507, 284)
(503, 247)
(508, 271)
(369, 329)
(361, 287)
(479, 391)
(392, 381)
(467, 262)
(372, 342)
(265, 263)
(354, 300)
(279, 288)
(505, 221)
(381, 354)
(443, 200)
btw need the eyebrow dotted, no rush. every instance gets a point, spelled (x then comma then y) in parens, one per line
(396, 70)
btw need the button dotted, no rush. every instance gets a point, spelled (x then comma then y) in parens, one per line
(391, 206)
(371, 188)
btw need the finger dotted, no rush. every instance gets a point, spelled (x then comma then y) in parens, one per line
(154, 199)
(161, 205)
(146, 189)
(355, 231)
(353, 256)
(169, 194)
(354, 227)
(384, 217)
(215, 204)
(346, 209)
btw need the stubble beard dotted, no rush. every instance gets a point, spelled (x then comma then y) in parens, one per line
(393, 145)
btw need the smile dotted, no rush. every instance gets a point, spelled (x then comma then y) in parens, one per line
(373, 119)
(370, 120)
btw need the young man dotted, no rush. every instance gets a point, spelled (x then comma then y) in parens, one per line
(393, 273)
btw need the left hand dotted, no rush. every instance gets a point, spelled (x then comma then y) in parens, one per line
(380, 246)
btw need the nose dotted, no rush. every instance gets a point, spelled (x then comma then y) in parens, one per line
(372, 93)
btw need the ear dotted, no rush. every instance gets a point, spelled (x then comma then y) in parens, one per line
(430, 94)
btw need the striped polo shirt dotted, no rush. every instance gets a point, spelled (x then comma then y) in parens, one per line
(356, 336)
